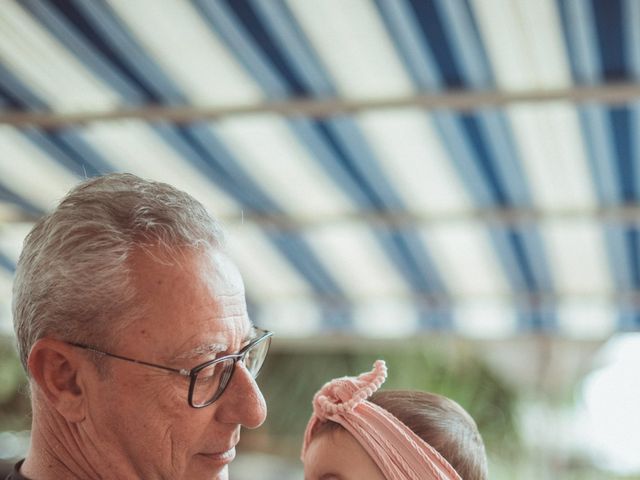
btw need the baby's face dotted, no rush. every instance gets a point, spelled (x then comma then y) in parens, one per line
(336, 455)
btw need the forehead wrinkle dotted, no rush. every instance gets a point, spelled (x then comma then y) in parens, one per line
(228, 305)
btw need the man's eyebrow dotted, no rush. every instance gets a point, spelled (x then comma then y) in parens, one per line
(202, 350)
(251, 333)
(211, 349)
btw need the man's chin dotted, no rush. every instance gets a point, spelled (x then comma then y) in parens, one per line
(224, 474)
(206, 472)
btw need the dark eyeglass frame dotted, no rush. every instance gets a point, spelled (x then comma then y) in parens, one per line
(264, 335)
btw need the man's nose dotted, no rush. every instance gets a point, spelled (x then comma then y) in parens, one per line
(242, 402)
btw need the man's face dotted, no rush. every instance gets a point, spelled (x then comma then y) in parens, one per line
(140, 415)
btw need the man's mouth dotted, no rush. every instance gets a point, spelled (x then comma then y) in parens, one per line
(221, 457)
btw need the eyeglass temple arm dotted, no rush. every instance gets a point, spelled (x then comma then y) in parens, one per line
(181, 371)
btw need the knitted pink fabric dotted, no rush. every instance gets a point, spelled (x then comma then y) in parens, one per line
(399, 453)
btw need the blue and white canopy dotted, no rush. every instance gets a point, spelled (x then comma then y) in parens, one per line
(383, 167)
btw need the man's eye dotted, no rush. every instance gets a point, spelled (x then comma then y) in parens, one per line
(206, 378)
(211, 373)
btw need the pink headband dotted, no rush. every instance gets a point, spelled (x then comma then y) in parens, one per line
(398, 452)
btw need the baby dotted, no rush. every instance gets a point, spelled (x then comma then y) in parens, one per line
(357, 434)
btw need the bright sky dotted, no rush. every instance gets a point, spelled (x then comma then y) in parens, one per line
(611, 401)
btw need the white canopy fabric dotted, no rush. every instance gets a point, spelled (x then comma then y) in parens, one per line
(383, 168)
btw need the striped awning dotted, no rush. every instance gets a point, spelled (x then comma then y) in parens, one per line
(383, 167)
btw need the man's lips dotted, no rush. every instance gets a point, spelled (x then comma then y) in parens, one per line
(221, 457)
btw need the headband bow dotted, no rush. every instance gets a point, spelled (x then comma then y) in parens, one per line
(397, 450)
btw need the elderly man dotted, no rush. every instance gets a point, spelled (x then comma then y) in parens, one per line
(132, 325)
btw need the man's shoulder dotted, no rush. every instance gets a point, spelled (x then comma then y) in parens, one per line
(15, 474)
(5, 468)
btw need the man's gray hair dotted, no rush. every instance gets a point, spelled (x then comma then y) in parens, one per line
(73, 277)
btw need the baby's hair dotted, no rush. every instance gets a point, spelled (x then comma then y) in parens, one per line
(439, 421)
(443, 424)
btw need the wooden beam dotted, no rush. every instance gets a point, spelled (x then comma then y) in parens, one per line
(624, 214)
(610, 94)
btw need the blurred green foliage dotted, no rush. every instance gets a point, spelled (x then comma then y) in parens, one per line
(290, 379)
(14, 401)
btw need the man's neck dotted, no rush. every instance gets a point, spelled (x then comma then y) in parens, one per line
(49, 460)
(63, 450)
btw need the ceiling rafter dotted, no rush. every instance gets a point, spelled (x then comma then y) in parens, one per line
(611, 94)
(626, 214)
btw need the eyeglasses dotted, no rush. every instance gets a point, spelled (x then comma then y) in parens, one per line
(210, 379)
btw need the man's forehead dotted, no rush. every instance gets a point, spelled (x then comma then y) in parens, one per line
(223, 271)
(229, 305)
(196, 306)
(155, 267)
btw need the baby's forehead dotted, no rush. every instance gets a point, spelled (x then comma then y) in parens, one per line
(325, 428)
(328, 440)
(336, 455)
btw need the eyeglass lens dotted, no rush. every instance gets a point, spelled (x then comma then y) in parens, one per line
(212, 380)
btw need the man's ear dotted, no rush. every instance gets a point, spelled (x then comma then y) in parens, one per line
(54, 366)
